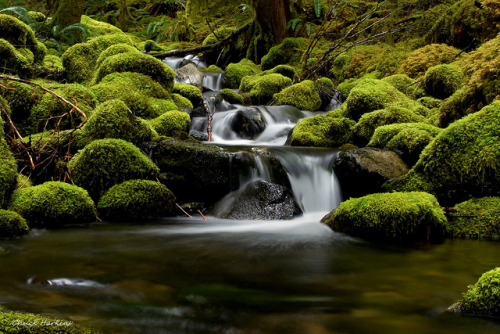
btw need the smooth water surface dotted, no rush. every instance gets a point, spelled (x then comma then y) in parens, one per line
(191, 276)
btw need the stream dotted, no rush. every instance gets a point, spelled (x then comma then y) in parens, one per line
(181, 275)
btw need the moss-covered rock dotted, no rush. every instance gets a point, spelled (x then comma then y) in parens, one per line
(151, 46)
(99, 28)
(406, 139)
(303, 95)
(236, 71)
(462, 161)
(18, 323)
(80, 59)
(404, 84)
(430, 102)
(106, 162)
(173, 123)
(140, 63)
(441, 81)
(420, 60)
(322, 131)
(13, 61)
(220, 34)
(478, 218)
(369, 122)
(12, 225)
(8, 169)
(21, 99)
(288, 52)
(483, 298)
(113, 119)
(53, 204)
(192, 93)
(114, 50)
(136, 199)
(262, 88)
(285, 70)
(212, 68)
(182, 102)
(398, 217)
(231, 96)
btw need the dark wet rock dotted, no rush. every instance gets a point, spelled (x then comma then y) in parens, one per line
(248, 123)
(198, 135)
(362, 171)
(189, 74)
(258, 200)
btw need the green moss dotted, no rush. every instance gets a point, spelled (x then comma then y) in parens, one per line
(483, 298)
(8, 170)
(190, 92)
(172, 123)
(285, 70)
(303, 95)
(369, 122)
(420, 60)
(140, 63)
(478, 218)
(80, 59)
(99, 28)
(12, 225)
(441, 81)
(115, 50)
(22, 323)
(150, 46)
(464, 159)
(231, 96)
(113, 119)
(262, 88)
(322, 131)
(53, 204)
(106, 162)
(212, 68)
(413, 216)
(14, 61)
(23, 181)
(346, 86)
(21, 36)
(137, 199)
(430, 102)
(37, 16)
(403, 83)
(222, 33)
(288, 52)
(52, 61)
(236, 72)
(51, 107)
(181, 102)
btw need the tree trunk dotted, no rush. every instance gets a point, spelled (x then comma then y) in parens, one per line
(272, 17)
(66, 12)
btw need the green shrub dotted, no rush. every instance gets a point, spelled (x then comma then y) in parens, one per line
(303, 95)
(53, 204)
(231, 96)
(172, 123)
(483, 298)
(137, 199)
(236, 71)
(478, 218)
(288, 52)
(262, 88)
(322, 131)
(414, 216)
(106, 162)
(12, 225)
(80, 59)
(192, 93)
(441, 81)
(113, 119)
(420, 60)
(140, 63)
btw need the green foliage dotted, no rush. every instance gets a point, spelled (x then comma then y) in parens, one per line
(113, 119)
(441, 81)
(53, 204)
(27, 323)
(192, 93)
(262, 88)
(106, 162)
(136, 199)
(140, 63)
(322, 131)
(231, 96)
(483, 298)
(420, 60)
(397, 217)
(173, 123)
(236, 72)
(12, 225)
(303, 95)
(288, 52)
(478, 218)
(369, 122)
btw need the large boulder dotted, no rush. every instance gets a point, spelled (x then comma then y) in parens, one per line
(303, 95)
(189, 74)
(482, 298)
(288, 52)
(12, 224)
(248, 123)
(237, 71)
(396, 217)
(263, 87)
(363, 171)
(322, 131)
(258, 200)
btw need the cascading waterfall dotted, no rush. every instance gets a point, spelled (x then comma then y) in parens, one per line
(212, 81)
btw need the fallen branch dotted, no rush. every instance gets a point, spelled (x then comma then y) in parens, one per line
(187, 214)
(201, 214)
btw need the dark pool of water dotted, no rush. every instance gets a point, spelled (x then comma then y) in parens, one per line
(185, 276)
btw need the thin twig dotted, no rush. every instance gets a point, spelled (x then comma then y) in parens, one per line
(187, 214)
(201, 214)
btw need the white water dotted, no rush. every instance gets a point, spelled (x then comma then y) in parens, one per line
(212, 81)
